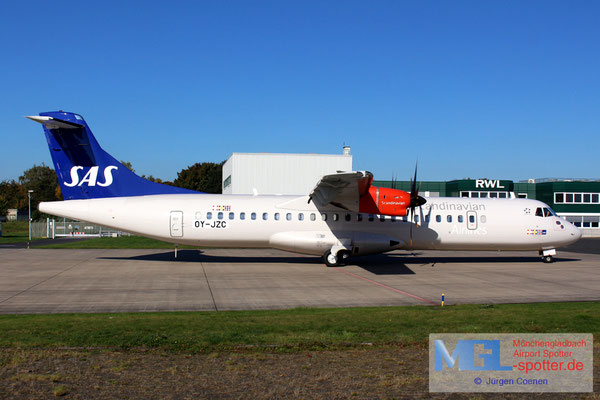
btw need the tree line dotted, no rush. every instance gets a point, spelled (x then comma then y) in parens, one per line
(203, 177)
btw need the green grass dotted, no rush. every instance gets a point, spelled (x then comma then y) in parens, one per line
(15, 232)
(291, 330)
(123, 242)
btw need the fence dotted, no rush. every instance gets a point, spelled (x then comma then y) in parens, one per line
(53, 229)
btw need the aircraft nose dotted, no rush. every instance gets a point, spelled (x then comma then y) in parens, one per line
(576, 232)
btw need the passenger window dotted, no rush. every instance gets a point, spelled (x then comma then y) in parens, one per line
(427, 218)
(359, 217)
(336, 217)
(404, 219)
(209, 215)
(460, 219)
(231, 215)
(313, 217)
(243, 215)
(276, 216)
(471, 218)
(449, 218)
(288, 216)
(198, 215)
(539, 212)
(253, 216)
(393, 219)
(483, 219)
(265, 216)
(220, 215)
(371, 218)
(348, 217)
(324, 217)
(382, 218)
(300, 217)
(438, 218)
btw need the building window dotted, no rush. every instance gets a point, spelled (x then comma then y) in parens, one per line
(522, 195)
(576, 198)
(227, 181)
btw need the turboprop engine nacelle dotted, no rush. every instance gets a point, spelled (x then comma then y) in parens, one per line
(385, 201)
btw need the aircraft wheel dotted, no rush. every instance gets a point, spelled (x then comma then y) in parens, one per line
(331, 260)
(547, 259)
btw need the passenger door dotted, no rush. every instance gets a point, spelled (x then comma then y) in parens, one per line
(471, 220)
(176, 223)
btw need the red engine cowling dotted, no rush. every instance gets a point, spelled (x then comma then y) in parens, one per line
(385, 201)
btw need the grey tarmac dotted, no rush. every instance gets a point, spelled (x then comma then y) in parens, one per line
(65, 281)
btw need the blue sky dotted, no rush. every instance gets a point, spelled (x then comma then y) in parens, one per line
(494, 89)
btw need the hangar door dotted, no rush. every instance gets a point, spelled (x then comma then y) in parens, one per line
(176, 223)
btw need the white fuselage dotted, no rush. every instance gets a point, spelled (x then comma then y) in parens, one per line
(293, 223)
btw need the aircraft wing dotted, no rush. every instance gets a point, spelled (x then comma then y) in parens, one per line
(343, 189)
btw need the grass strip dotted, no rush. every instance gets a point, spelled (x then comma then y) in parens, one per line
(123, 242)
(291, 330)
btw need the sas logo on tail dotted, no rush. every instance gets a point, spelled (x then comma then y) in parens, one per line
(91, 177)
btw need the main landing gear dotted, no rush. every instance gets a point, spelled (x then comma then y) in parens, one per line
(547, 255)
(335, 260)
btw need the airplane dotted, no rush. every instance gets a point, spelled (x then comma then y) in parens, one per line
(343, 216)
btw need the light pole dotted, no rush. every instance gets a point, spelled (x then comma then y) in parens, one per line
(29, 202)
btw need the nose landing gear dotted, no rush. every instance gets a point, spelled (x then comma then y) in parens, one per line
(547, 255)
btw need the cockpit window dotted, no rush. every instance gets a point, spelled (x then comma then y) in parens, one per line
(544, 212)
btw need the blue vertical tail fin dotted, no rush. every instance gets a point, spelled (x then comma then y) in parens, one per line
(84, 169)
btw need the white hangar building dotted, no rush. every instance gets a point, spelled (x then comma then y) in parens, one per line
(273, 173)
